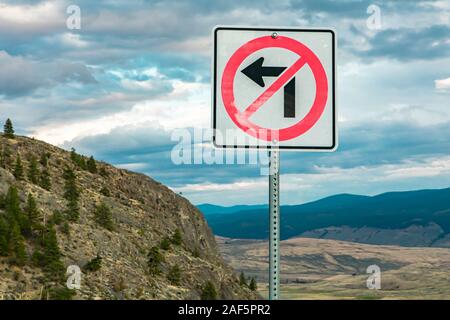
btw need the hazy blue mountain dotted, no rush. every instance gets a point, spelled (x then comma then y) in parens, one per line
(208, 209)
(419, 218)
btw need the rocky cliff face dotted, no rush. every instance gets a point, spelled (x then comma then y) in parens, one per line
(145, 214)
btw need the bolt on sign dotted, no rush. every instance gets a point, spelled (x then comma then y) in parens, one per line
(274, 88)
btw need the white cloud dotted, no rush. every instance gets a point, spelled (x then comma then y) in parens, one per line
(187, 106)
(442, 84)
(298, 188)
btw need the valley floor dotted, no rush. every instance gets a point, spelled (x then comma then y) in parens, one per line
(330, 269)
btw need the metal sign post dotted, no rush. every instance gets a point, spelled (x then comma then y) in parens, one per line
(274, 84)
(274, 218)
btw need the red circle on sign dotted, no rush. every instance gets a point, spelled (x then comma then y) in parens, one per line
(242, 121)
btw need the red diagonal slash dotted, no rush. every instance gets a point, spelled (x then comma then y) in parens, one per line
(274, 87)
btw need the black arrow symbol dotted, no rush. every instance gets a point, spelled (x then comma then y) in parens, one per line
(256, 72)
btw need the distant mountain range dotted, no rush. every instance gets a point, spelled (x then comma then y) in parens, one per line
(411, 218)
(208, 209)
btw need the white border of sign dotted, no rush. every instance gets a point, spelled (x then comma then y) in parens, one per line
(270, 30)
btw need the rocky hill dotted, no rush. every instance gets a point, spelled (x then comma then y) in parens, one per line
(131, 237)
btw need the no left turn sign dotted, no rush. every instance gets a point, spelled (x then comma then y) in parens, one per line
(274, 87)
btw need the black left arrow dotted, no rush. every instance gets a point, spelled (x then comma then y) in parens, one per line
(256, 71)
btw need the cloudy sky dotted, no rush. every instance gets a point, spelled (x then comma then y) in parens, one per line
(137, 70)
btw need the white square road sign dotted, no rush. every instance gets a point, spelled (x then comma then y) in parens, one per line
(274, 88)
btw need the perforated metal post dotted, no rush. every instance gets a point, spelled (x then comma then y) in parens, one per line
(274, 218)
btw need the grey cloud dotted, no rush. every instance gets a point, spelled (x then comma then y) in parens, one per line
(118, 30)
(365, 144)
(124, 143)
(19, 76)
(407, 43)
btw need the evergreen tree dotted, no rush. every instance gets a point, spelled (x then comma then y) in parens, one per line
(177, 239)
(74, 156)
(71, 194)
(33, 172)
(3, 237)
(103, 216)
(174, 275)
(253, 285)
(31, 211)
(18, 168)
(8, 130)
(17, 245)
(12, 205)
(73, 210)
(91, 165)
(155, 258)
(94, 264)
(44, 159)
(14, 213)
(82, 163)
(165, 243)
(242, 280)
(70, 187)
(5, 159)
(65, 228)
(45, 180)
(2, 201)
(51, 256)
(78, 159)
(208, 292)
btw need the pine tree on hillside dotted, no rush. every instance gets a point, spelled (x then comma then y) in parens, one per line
(103, 216)
(155, 258)
(177, 238)
(8, 130)
(70, 187)
(45, 180)
(253, 286)
(12, 205)
(5, 157)
(73, 210)
(31, 211)
(13, 212)
(82, 163)
(51, 255)
(174, 275)
(17, 245)
(74, 156)
(4, 230)
(208, 292)
(94, 264)
(33, 172)
(91, 165)
(18, 168)
(71, 194)
(44, 159)
(78, 159)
